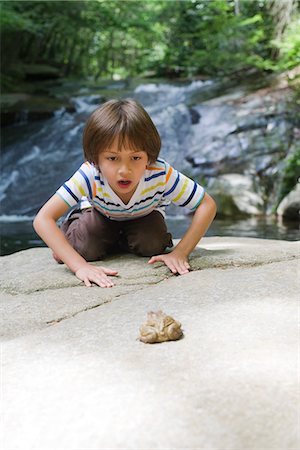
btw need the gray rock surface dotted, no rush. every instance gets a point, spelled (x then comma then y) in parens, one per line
(248, 133)
(289, 207)
(235, 194)
(75, 377)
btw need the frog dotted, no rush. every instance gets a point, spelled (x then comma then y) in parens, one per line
(160, 327)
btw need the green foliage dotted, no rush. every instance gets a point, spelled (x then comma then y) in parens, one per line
(11, 20)
(291, 174)
(121, 38)
(289, 46)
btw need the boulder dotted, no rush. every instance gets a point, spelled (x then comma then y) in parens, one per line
(289, 207)
(74, 374)
(18, 108)
(37, 72)
(235, 195)
(248, 132)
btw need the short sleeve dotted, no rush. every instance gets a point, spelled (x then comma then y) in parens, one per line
(78, 186)
(181, 190)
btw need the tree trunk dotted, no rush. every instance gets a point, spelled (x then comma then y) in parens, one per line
(237, 7)
(281, 12)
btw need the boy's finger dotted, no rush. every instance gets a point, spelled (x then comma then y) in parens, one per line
(87, 282)
(184, 268)
(154, 259)
(109, 271)
(104, 281)
(105, 284)
(172, 268)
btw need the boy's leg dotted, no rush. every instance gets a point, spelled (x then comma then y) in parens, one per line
(90, 234)
(148, 235)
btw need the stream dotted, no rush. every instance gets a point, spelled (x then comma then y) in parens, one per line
(37, 157)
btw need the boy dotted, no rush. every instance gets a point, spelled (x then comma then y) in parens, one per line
(122, 189)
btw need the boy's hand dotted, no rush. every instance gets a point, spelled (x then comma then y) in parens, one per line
(176, 262)
(95, 274)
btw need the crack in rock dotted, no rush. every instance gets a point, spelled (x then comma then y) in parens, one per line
(60, 319)
(88, 308)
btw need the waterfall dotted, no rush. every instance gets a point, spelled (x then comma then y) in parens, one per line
(42, 155)
(216, 137)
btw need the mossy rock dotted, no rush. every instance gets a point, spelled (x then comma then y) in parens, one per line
(33, 72)
(16, 107)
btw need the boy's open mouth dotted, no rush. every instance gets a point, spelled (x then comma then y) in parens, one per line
(124, 183)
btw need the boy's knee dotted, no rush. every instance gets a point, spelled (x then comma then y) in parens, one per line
(90, 255)
(148, 247)
(85, 246)
(90, 235)
(84, 242)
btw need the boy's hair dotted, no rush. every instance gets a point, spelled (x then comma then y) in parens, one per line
(125, 120)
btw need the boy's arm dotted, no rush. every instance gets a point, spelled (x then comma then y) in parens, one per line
(45, 226)
(177, 260)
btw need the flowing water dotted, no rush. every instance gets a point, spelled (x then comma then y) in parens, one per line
(38, 157)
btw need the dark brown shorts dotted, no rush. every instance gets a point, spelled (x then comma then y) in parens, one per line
(94, 236)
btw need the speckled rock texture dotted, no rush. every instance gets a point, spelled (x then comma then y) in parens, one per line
(75, 376)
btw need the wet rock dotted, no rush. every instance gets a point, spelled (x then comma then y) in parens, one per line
(195, 115)
(235, 195)
(242, 131)
(37, 72)
(289, 207)
(247, 134)
(16, 108)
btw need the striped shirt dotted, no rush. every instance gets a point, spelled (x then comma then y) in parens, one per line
(160, 185)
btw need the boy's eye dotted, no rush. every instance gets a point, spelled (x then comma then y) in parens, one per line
(136, 158)
(112, 158)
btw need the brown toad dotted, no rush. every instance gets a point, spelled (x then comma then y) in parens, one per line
(160, 328)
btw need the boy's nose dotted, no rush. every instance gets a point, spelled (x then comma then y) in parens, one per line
(124, 169)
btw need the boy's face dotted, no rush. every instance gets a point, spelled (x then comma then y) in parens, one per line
(123, 169)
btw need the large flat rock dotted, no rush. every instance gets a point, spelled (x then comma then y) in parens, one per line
(75, 377)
